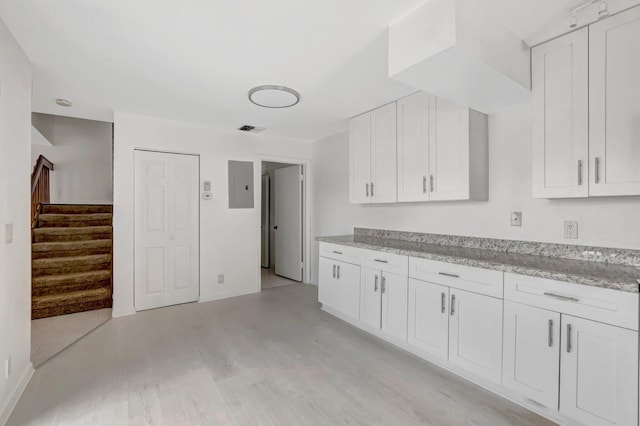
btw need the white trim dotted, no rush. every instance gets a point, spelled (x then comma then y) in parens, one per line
(306, 205)
(14, 396)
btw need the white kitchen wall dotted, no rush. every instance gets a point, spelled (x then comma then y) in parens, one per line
(15, 205)
(608, 222)
(229, 238)
(82, 158)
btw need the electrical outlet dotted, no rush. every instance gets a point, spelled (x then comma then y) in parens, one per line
(516, 218)
(7, 368)
(8, 233)
(571, 229)
(221, 279)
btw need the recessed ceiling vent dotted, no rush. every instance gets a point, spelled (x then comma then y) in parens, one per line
(251, 129)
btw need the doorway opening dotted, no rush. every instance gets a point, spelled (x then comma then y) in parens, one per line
(282, 224)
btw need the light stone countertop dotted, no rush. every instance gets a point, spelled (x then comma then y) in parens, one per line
(597, 274)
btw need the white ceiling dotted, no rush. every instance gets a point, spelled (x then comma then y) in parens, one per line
(196, 60)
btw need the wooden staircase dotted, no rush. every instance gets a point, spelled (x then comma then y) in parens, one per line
(71, 259)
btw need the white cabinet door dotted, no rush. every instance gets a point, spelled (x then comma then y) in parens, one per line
(475, 334)
(394, 305)
(383, 154)
(428, 323)
(328, 291)
(348, 278)
(360, 159)
(614, 110)
(449, 152)
(560, 85)
(413, 147)
(599, 373)
(531, 363)
(370, 297)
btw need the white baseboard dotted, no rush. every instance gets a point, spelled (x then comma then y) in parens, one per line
(15, 395)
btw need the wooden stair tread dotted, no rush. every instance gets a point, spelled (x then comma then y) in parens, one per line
(76, 208)
(81, 296)
(71, 278)
(73, 230)
(70, 245)
(86, 259)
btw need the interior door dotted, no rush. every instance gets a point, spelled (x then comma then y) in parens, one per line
(288, 219)
(166, 235)
(264, 224)
(429, 318)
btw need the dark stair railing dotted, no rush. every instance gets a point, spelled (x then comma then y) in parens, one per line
(40, 188)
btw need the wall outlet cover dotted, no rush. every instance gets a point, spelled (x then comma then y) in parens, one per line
(571, 229)
(516, 218)
(221, 279)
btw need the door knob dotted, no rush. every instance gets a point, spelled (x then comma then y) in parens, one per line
(275, 227)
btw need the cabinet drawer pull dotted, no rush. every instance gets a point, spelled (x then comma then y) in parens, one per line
(384, 285)
(559, 297)
(375, 285)
(367, 186)
(449, 275)
(568, 338)
(579, 172)
(431, 182)
(597, 170)
(453, 304)
(381, 260)
(336, 252)
(338, 274)
(424, 184)
(334, 271)
(442, 299)
(550, 333)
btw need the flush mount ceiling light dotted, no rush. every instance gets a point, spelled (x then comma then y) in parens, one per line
(271, 96)
(64, 102)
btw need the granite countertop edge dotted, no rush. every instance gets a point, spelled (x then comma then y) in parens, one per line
(613, 284)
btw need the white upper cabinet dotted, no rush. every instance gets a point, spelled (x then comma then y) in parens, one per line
(614, 107)
(560, 79)
(586, 87)
(413, 146)
(442, 150)
(372, 156)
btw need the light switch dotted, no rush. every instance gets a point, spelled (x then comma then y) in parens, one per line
(207, 185)
(8, 233)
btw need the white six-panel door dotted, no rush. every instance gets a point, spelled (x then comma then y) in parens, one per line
(166, 229)
(560, 83)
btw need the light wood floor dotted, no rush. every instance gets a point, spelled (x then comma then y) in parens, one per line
(269, 279)
(272, 358)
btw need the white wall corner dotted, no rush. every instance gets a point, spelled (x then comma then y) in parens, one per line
(15, 394)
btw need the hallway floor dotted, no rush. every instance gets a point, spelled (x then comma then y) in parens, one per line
(269, 279)
(51, 335)
(271, 358)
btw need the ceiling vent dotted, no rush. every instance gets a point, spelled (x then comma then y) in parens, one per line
(251, 129)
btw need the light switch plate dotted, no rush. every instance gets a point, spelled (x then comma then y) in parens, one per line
(221, 279)
(207, 186)
(8, 233)
(571, 229)
(516, 218)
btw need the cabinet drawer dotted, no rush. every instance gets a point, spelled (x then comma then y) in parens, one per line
(341, 253)
(599, 304)
(476, 280)
(386, 262)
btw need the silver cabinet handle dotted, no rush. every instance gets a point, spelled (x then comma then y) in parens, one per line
(381, 260)
(338, 274)
(442, 299)
(431, 182)
(559, 297)
(568, 338)
(550, 333)
(449, 275)
(367, 186)
(453, 304)
(336, 252)
(384, 285)
(375, 285)
(579, 172)
(334, 271)
(372, 189)
(424, 184)
(597, 170)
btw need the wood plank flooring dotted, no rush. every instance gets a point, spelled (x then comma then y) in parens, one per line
(272, 358)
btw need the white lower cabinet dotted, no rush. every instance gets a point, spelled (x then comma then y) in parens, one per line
(531, 364)
(599, 373)
(475, 334)
(384, 302)
(339, 286)
(428, 328)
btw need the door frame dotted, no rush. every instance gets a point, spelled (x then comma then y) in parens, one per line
(199, 219)
(306, 212)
